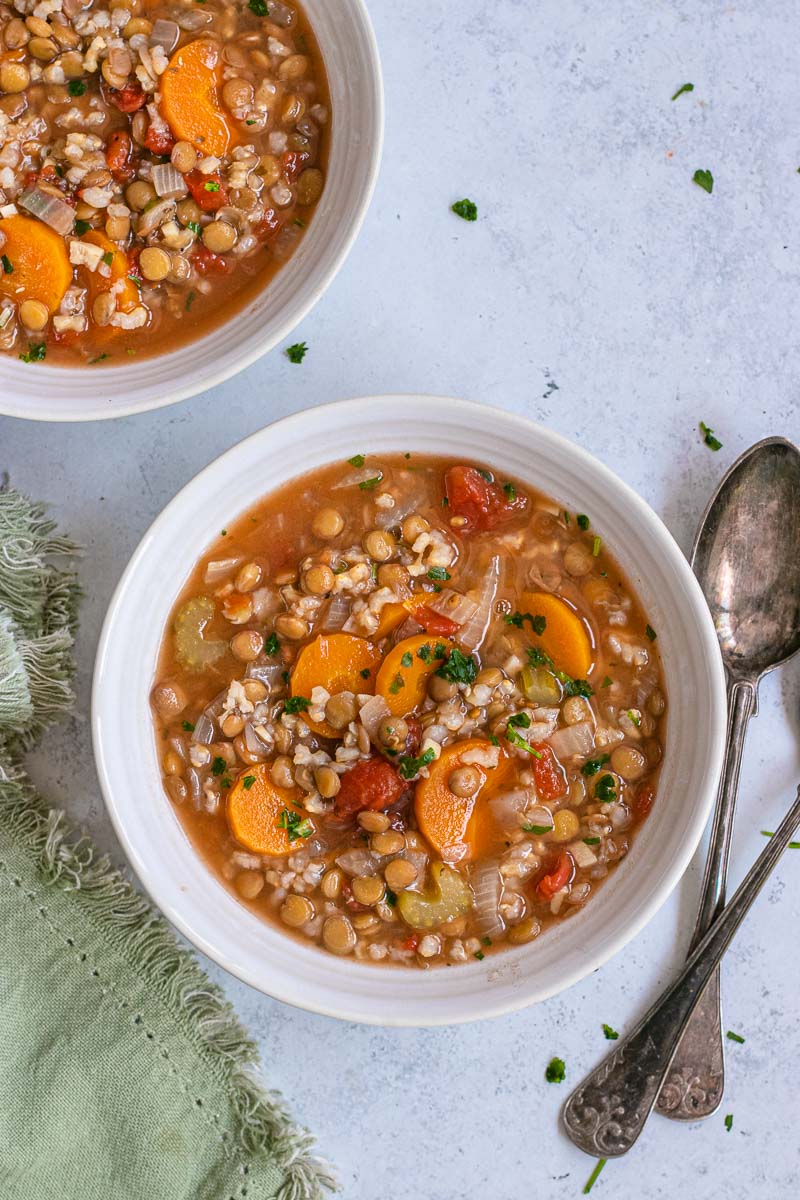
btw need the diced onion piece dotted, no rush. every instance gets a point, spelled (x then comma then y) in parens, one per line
(486, 888)
(507, 807)
(372, 713)
(336, 613)
(474, 631)
(454, 605)
(268, 674)
(357, 477)
(203, 730)
(165, 33)
(573, 740)
(168, 182)
(583, 855)
(219, 568)
(253, 742)
(49, 209)
(359, 862)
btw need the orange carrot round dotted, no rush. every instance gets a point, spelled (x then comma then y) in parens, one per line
(190, 101)
(404, 674)
(565, 637)
(260, 815)
(127, 293)
(339, 662)
(456, 826)
(40, 266)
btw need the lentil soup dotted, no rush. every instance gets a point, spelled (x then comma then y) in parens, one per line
(159, 162)
(410, 711)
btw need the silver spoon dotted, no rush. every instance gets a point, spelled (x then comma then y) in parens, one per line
(746, 557)
(607, 1112)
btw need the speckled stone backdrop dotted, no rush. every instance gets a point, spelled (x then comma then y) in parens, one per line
(605, 294)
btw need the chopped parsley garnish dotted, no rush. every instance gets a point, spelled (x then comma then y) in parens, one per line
(136, 279)
(390, 897)
(211, 185)
(226, 782)
(218, 766)
(367, 485)
(555, 1071)
(607, 682)
(729, 1122)
(592, 1180)
(397, 683)
(259, 7)
(37, 352)
(537, 623)
(594, 841)
(108, 258)
(285, 676)
(685, 87)
(538, 658)
(190, 299)
(357, 460)
(340, 568)
(790, 846)
(479, 955)
(248, 782)
(188, 726)
(8, 269)
(272, 645)
(651, 633)
(98, 358)
(82, 227)
(520, 721)
(459, 668)
(466, 209)
(510, 491)
(76, 87)
(296, 826)
(194, 226)
(583, 521)
(611, 1034)
(494, 741)
(486, 941)
(593, 765)
(297, 352)
(484, 474)
(296, 704)
(596, 544)
(538, 829)
(634, 717)
(439, 573)
(409, 766)
(605, 789)
(708, 437)
(734, 1037)
(575, 687)
(365, 674)
(705, 180)
(566, 517)
(406, 661)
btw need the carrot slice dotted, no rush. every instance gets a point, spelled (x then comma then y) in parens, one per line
(127, 294)
(339, 662)
(257, 811)
(40, 264)
(190, 98)
(565, 638)
(459, 828)
(393, 615)
(404, 674)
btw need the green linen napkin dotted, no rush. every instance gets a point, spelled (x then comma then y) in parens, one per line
(123, 1073)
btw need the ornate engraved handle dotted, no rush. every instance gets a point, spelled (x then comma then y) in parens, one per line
(607, 1112)
(696, 1080)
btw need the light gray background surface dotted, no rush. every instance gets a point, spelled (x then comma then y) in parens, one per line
(605, 294)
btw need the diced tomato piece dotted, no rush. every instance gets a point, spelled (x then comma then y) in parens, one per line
(372, 783)
(158, 139)
(564, 869)
(269, 225)
(411, 942)
(118, 155)
(293, 163)
(644, 799)
(206, 262)
(208, 191)
(128, 99)
(482, 504)
(548, 774)
(434, 623)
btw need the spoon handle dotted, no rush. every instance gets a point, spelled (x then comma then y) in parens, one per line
(693, 1089)
(606, 1113)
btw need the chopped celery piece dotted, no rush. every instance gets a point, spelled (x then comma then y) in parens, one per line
(540, 685)
(191, 648)
(448, 896)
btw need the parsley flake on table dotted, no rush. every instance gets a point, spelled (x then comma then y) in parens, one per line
(685, 87)
(555, 1071)
(708, 437)
(592, 1180)
(297, 352)
(734, 1037)
(729, 1122)
(705, 180)
(790, 845)
(466, 209)
(610, 1034)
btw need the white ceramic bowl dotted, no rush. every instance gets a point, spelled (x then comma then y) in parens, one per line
(45, 393)
(257, 952)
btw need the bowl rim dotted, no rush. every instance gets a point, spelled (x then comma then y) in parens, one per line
(483, 1003)
(227, 368)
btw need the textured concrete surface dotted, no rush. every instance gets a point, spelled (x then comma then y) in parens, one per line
(605, 294)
